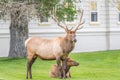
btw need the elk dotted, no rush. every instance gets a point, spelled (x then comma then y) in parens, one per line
(54, 73)
(52, 49)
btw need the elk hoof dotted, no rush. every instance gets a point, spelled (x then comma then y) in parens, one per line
(60, 77)
(64, 77)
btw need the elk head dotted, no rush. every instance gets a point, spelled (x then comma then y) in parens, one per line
(71, 62)
(70, 33)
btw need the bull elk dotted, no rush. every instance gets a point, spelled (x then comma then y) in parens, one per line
(52, 49)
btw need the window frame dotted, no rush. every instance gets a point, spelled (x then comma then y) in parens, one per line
(97, 11)
(47, 23)
(118, 17)
(94, 16)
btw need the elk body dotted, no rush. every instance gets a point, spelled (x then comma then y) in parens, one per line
(54, 73)
(51, 49)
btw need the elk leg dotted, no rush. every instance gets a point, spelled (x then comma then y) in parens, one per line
(58, 59)
(28, 69)
(68, 74)
(64, 65)
(32, 61)
(29, 65)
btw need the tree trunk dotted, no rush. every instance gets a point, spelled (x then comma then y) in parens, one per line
(18, 32)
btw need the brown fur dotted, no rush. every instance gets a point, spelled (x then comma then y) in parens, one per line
(54, 73)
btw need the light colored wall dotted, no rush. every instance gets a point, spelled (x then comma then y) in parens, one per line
(4, 38)
(114, 28)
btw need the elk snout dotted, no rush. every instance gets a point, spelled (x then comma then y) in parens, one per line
(76, 64)
(75, 40)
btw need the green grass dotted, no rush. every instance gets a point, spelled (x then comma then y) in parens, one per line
(104, 65)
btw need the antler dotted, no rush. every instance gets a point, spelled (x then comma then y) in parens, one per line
(80, 23)
(58, 23)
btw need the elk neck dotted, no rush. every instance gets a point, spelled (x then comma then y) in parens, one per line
(67, 45)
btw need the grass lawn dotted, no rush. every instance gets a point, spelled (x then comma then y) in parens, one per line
(104, 65)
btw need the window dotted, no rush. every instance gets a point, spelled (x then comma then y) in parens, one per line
(119, 16)
(43, 19)
(118, 6)
(94, 15)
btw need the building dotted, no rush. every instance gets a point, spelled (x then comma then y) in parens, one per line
(101, 29)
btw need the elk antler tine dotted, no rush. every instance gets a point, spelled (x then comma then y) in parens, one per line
(58, 23)
(80, 27)
(81, 15)
(80, 24)
(80, 21)
(66, 26)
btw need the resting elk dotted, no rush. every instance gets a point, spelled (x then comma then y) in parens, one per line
(52, 49)
(54, 73)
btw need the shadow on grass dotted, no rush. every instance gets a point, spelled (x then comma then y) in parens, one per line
(6, 59)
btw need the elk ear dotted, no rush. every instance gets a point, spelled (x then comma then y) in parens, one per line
(69, 59)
